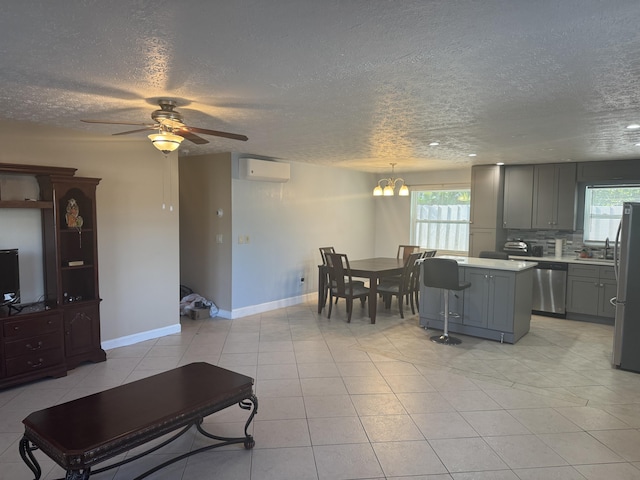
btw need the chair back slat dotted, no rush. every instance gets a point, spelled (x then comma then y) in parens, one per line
(407, 272)
(405, 250)
(324, 251)
(340, 273)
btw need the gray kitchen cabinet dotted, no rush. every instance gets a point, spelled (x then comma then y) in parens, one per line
(627, 170)
(482, 239)
(485, 220)
(497, 306)
(554, 196)
(486, 184)
(589, 289)
(487, 303)
(518, 196)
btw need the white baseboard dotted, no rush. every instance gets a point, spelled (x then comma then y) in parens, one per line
(141, 337)
(266, 307)
(237, 313)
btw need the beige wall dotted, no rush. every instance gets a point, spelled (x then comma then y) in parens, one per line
(205, 188)
(138, 241)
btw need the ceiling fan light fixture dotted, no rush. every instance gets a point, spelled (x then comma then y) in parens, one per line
(166, 142)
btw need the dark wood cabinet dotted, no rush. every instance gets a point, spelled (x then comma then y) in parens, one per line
(62, 331)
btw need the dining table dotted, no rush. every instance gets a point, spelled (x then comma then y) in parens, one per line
(371, 268)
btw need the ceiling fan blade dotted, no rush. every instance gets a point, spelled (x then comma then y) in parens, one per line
(192, 137)
(217, 133)
(107, 122)
(152, 127)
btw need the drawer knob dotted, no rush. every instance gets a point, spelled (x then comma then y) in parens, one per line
(36, 365)
(16, 328)
(37, 347)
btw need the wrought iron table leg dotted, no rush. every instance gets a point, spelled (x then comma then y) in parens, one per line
(26, 452)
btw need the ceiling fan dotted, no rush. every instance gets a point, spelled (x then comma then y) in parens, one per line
(171, 128)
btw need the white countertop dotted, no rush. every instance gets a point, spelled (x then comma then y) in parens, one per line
(515, 265)
(565, 259)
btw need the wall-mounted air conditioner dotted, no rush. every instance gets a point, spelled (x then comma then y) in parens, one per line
(264, 170)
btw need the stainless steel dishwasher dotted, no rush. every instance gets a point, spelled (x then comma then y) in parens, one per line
(550, 288)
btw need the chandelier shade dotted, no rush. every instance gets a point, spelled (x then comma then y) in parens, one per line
(386, 186)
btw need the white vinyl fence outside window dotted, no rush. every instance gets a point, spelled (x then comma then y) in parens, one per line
(440, 220)
(603, 209)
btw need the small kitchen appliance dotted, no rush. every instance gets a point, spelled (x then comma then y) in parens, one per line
(537, 250)
(517, 247)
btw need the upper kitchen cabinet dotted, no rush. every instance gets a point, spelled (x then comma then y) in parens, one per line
(485, 220)
(518, 196)
(486, 196)
(554, 196)
(627, 170)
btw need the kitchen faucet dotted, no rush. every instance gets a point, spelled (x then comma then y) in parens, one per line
(606, 248)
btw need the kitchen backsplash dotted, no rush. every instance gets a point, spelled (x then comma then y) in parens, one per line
(547, 238)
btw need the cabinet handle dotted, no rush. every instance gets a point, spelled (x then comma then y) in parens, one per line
(31, 347)
(16, 328)
(601, 285)
(36, 365)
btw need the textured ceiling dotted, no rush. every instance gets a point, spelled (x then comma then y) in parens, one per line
(351, 83)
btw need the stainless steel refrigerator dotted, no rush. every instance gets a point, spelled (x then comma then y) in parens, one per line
(626, 340)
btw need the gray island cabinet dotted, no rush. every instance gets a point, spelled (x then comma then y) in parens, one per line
(497, 306)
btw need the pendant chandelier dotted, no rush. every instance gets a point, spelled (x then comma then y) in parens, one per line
(386, 186)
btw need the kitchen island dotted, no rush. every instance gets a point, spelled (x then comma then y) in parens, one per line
(497, 306)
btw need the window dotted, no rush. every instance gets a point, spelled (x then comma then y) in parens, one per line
(603, 209)
(440, 219)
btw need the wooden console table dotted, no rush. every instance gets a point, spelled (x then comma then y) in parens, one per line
(82, 433)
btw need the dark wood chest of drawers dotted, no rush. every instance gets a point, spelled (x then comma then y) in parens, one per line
(32, 347)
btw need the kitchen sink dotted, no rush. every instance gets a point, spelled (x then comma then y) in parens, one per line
(605, 261)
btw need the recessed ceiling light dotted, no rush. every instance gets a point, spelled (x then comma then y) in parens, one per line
(637, 144)
(633, 126)
(433, 144)
(473, 154)
(500, 163)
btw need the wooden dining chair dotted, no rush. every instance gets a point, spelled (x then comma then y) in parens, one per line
(342, 284)
(323, 253)
(405, 250)
(414, 297)
(402, 290)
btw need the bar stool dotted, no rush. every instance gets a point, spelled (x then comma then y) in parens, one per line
(443, 273)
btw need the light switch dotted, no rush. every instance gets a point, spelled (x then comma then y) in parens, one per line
(219, 238)
(241, 239)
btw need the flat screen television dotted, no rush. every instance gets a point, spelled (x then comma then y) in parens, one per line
(9, 277)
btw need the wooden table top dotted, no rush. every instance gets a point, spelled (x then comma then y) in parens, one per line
(122, 414)
(376, 265)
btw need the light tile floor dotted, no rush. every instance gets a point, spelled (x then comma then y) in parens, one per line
(361, 401)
